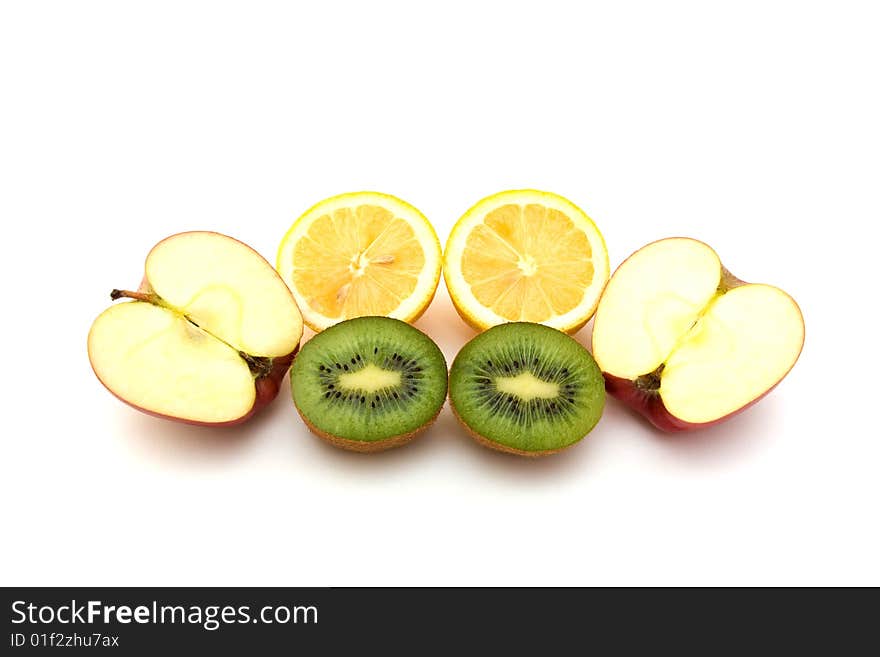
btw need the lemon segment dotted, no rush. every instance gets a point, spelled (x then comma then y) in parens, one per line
(359, 254)
(525, 255)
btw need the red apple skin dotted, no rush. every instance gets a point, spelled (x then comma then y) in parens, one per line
(650, 404)
(266, 390)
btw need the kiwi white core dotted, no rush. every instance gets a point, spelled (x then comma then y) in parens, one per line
(526, 386)
(370, 379)
(720, 348)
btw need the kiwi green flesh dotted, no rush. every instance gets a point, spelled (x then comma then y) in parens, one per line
(368, 380)
(526, 388)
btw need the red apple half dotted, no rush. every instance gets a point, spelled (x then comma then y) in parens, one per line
(687, 344)
(207, 337)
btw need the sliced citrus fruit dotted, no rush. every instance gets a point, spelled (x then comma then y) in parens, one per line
(525, 255)
(358, 254)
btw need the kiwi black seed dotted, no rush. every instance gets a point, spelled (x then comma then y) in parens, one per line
(369, 383)
(526, 388)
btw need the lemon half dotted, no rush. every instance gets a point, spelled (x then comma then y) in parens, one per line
(526, 255)
(357, 254)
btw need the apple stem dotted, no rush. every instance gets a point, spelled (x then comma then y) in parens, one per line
(260, 366)
(140, 296)
(728, 281)
(650, 382)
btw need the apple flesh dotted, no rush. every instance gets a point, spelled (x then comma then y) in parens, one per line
(206, 339)
(687, 344)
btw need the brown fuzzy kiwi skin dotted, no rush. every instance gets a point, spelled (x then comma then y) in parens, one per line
(485, 442)
(365, 446)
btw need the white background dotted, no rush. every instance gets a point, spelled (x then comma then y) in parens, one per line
(750, 125)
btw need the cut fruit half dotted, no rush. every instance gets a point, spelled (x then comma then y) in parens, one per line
(525, 255)
(360, 254)
(526, 389)
(369, 383)
(688, 344)
(207, 337)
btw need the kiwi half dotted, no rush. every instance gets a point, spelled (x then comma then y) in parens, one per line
(369, 383)
(526, 389)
